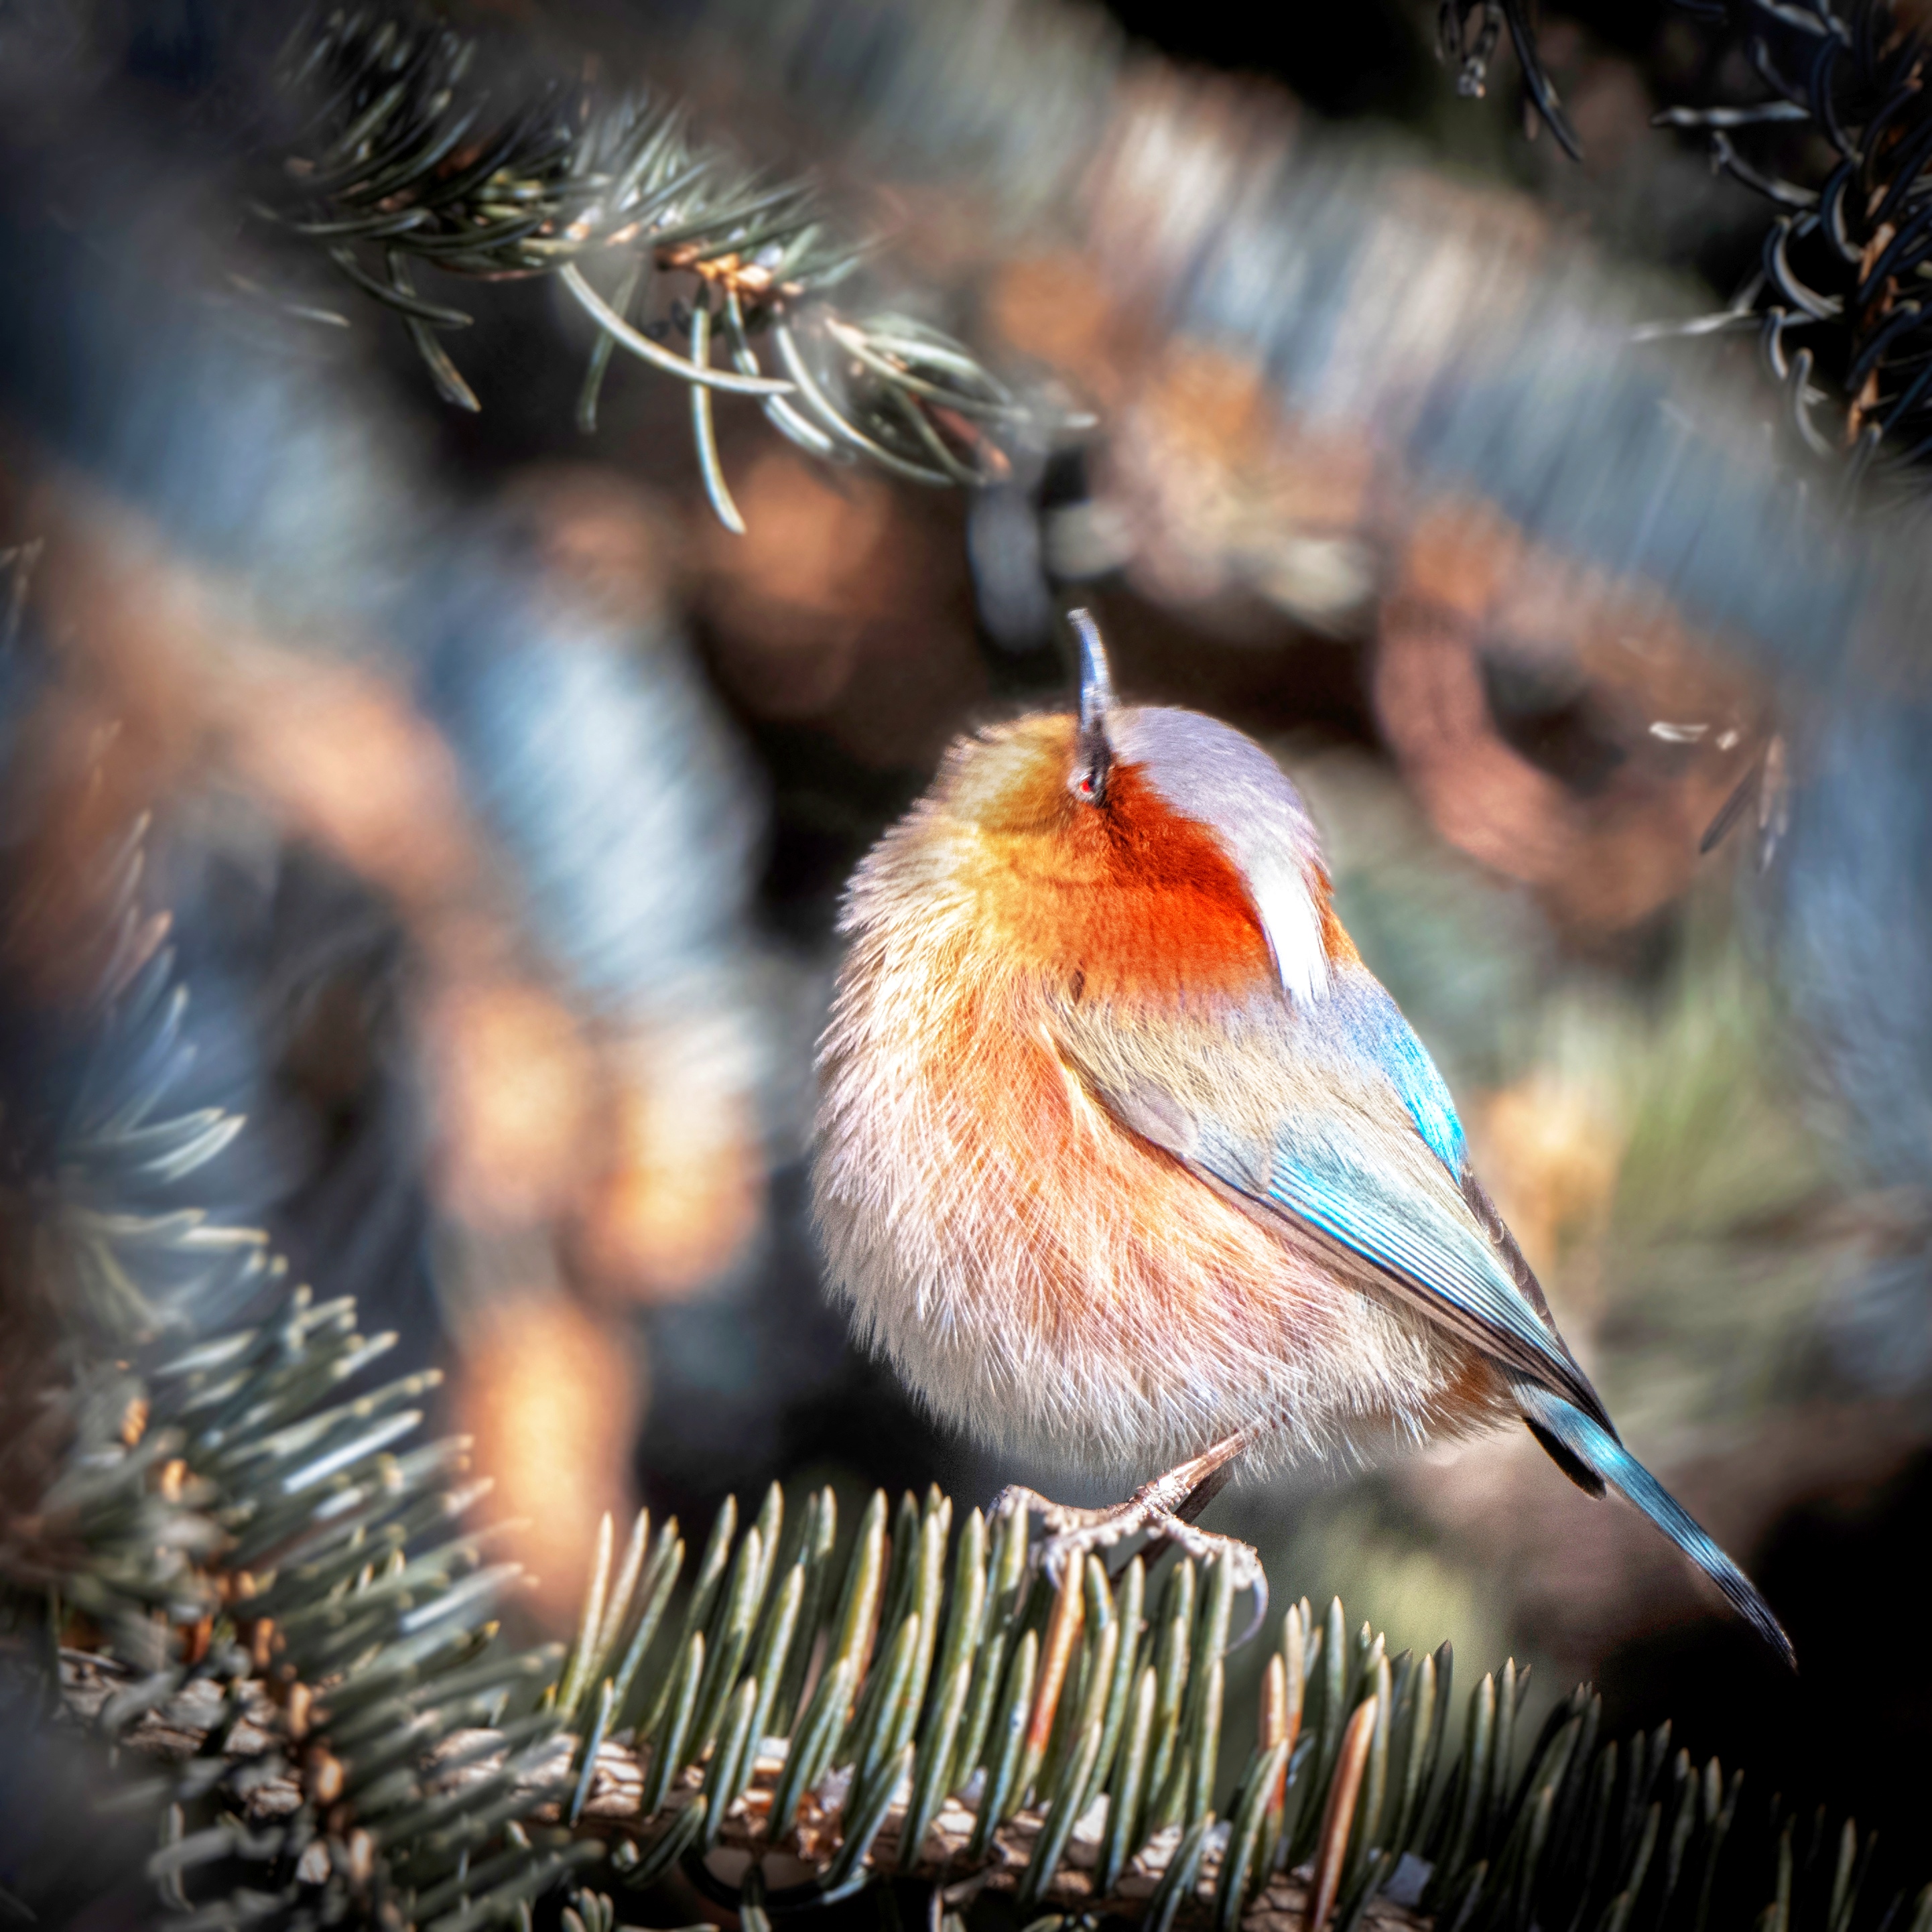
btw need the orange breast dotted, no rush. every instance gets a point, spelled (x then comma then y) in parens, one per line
(1126, 899)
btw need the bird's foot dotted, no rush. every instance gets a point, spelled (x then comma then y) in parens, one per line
(1163, 1511)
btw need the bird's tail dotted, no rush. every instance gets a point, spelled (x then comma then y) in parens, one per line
(1582, 1439)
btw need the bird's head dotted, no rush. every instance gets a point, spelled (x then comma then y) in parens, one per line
(1139, 848)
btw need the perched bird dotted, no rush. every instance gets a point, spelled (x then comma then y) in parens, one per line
(1126, 1159)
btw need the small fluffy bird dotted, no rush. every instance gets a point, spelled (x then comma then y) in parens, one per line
(1127, 1161)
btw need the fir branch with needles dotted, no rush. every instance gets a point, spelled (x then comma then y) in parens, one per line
(1059, 1743)
(406, 161)
(1839, 144)
(207, 1543)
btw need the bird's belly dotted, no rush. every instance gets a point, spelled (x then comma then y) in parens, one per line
(1051, 1282)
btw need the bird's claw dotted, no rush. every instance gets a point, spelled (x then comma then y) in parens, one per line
(1054, 1517)
(1074, 1533)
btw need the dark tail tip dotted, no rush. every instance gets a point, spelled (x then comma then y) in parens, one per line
(1561, 1426)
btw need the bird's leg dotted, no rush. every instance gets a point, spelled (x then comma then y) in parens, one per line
(1163, 1510)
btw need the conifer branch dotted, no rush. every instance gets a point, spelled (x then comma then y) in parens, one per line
(189, 1489)
(661, 236)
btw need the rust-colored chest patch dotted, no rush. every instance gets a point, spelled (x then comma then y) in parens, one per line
(1124, 900)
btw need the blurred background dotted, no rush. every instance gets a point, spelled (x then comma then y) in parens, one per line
(506, 891)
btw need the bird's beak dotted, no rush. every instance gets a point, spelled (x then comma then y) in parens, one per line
(1097, 682)
(1094, 759)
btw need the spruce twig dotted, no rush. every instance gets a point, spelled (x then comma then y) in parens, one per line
(406, 159)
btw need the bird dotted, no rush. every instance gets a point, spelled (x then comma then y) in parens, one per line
(1125, 1160)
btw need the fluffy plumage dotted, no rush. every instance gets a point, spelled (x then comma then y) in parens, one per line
(1123, 1150)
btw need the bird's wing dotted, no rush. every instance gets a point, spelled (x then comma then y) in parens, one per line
(1337, 1119)
(1334, 1117)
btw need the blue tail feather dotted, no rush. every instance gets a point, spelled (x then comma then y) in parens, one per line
(1589, 1443)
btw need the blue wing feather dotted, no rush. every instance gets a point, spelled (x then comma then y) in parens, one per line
(1322, 1113)
(1333, 1115)
(1329, 1173)
(1362, 1014)
(1439, 1255)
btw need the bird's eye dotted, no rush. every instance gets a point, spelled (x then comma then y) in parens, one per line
(1087, 780)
